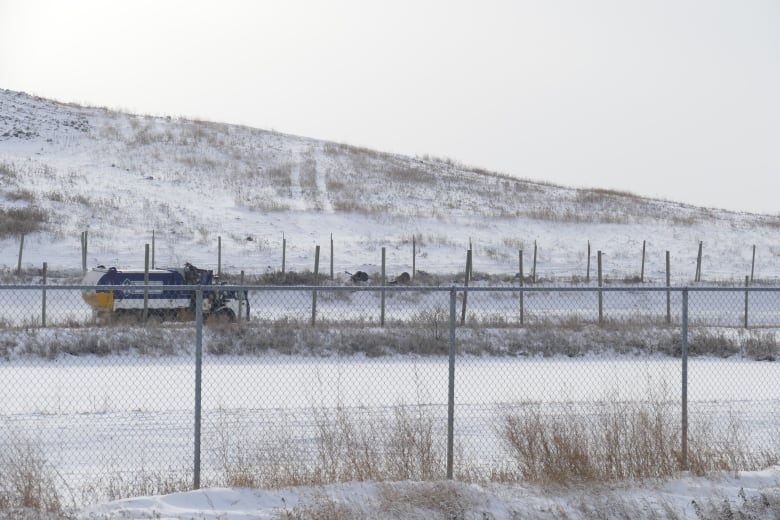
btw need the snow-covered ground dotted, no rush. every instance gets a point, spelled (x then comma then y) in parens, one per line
(125, 178)
(754, 495)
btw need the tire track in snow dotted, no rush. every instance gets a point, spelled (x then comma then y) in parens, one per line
(297, 202)
(322, 191)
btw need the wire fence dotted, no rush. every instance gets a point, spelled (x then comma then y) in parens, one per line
(321, 384)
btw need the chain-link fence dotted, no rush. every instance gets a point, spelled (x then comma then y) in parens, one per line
(322, 384)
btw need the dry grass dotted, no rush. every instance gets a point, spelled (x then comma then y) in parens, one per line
(21, 221)
(28, 483)
(455, 501)
(21, 195)
(8, 171)
(350, 444)
(138, 483)
(422, 332)
(618, 442)
(400, 447)
(624, 442)
(321, 506)
(431, 499)
(762, 505)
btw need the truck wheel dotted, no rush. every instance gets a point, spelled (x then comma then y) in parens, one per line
(124, 317)
(223, 316)
(154, 317)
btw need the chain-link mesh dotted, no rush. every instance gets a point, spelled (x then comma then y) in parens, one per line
(324, 384)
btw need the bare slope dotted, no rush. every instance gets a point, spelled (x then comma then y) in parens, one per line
(65, 169)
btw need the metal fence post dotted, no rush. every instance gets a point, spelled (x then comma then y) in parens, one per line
(198, 374)
(451, 387)
(684, 404)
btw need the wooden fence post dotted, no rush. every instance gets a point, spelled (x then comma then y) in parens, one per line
(19, 263)
(522, 303)
(747, 284)
(466, 284)
(316, 282)
(753, 263)
(219, 256)
(414, 255)
(471, 260)
(601, 296)
(241, 298)
(668, 291)
(587, 271)
(43, 296)
(382, 295)
(146, 282)
(84, 251)
(284, 251)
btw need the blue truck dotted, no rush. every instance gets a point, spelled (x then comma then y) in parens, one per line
(161, 302)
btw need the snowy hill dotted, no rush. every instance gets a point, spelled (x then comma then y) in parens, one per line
(121, 177)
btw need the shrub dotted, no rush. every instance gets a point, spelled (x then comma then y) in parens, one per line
(21, 195)
(290, 278)
(28, 482)
(7, 170)
(712, 343)
(350, 444)
(21, 221)
(141, 482)
(761, 347)
(622, 441)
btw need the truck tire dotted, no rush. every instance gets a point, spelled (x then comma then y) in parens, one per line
(223, 315)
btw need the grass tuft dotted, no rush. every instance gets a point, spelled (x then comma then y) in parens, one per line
(21, 221)
(618, 441)
(28, 483)
(349, 444)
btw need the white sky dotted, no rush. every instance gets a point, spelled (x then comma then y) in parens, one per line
(672, 98)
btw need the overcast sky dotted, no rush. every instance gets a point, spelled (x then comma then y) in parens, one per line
(672, 98)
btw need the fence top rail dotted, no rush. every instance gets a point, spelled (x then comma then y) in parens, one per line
(392, 288)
